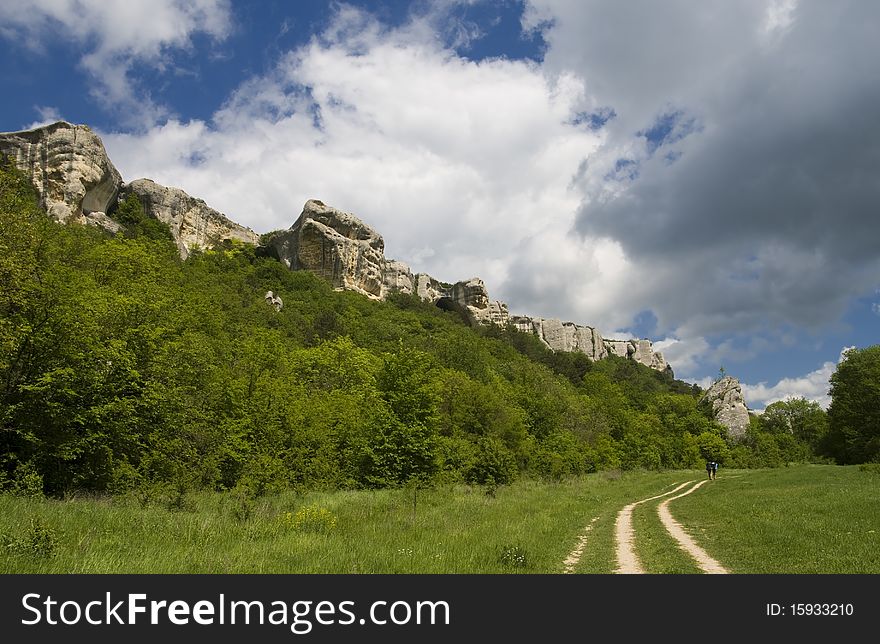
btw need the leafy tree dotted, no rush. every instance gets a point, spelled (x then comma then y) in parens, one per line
(494, 464)
(712, 447)
(803, 419)
(404, 446)
(854, 414)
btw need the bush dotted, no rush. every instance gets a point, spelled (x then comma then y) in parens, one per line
(242, 504)
(26, 481)
(40, 541)
(494, 464)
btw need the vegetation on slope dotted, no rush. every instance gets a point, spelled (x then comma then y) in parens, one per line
(124, 368)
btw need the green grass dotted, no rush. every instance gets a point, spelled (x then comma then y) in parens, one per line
(801, 519)
(656, 549)
(456, 529)
(599, 557)
(820, 519)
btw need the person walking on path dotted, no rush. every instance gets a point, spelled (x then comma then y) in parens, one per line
(710, 468)
(714, 470)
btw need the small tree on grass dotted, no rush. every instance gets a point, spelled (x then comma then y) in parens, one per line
(495, 464)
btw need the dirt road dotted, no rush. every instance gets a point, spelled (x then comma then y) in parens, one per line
(706, 563)
(627, 560)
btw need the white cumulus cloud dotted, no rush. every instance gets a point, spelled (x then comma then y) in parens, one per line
(812, 386)
(115, 36)
(465, 167)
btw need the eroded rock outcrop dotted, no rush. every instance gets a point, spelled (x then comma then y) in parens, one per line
(473, 296)
(564, 336)
(274, 300)
(69, 168)
(336, 246)
(396, 278)
(642, 351)
(428, 288)
(728, 406)
(193, 224)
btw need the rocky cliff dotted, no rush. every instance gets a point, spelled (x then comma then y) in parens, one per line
(77, 182)
(349, 254)
(473, 296)
(428, 288)
(641, 351)
(193, 224)
(564, 336)
(728, 406)
(396, 277)
(69, 167)
(334, 245)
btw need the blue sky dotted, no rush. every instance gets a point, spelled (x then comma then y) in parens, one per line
(700, 173)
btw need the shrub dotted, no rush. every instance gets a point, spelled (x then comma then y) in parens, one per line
(40, 541)
(26, 481)
(242, 504)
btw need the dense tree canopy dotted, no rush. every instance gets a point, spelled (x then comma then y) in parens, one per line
(854, 414)
(123, 367)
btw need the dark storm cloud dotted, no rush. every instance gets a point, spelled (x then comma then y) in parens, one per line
(768, 212)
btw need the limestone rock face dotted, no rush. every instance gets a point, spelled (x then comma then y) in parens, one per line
(564, 336)
(192, 222)
(495, 313)
(396, 277)
(69, 168)
(642, 351)
(728, 406)
(274, 300)
(336, 246)
(659, 363)
(568, 336)
(428, 288)
(472, 295)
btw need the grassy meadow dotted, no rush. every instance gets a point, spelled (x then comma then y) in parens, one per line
(799, 519)
(804, 519)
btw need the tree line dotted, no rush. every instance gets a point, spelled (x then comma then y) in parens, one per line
(123, 368)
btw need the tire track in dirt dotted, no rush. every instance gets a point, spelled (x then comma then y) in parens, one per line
(706, 563)
(627, 560)
(574, 556)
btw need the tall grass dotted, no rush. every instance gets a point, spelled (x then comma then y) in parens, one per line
(822, 519)
(455, 529)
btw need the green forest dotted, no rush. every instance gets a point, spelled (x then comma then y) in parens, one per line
(123, 368)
